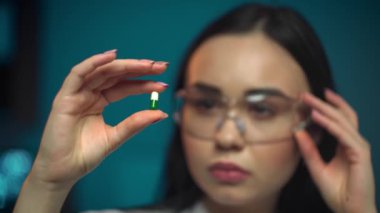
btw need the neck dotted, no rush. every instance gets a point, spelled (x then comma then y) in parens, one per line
(262, 206)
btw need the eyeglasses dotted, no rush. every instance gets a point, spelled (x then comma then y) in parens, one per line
(261, 116)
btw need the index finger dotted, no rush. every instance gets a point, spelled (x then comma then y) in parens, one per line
(123, 66)
(342, 104)
(74, 81)
(128, 68)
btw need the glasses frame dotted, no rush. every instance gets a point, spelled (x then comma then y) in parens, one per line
(231, 103)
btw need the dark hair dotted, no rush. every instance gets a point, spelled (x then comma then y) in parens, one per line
(291, 31)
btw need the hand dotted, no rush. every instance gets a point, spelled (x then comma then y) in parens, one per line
(76, 138)
(347, 181)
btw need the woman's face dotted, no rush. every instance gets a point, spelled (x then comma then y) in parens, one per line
(225, 167)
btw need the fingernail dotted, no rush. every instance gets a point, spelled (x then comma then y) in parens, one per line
(160, 119)
(162, 63)
(147, 61)
(110, 51)
(156, 121)
(163, 84)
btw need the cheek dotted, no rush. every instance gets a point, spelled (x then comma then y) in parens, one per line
(275, 164)
(197, 154)
(198, 157)
(271, 165)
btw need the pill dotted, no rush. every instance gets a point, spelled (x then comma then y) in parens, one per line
(154, 100)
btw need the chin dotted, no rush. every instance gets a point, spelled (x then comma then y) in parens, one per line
(232, 197)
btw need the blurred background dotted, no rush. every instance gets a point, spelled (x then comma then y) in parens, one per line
(40, 40)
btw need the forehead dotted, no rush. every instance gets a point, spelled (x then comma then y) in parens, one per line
(236, 63)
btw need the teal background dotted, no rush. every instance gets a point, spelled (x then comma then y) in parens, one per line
(72, 30)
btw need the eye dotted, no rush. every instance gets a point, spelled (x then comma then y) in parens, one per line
(261, 110)
(204, 105)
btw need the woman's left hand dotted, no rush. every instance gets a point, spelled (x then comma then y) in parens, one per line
(346, 182)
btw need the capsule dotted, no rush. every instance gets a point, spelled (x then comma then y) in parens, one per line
(154, 100)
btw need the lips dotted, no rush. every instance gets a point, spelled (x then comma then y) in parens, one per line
(228, 172)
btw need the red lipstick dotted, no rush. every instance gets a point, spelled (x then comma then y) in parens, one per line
(228, 172)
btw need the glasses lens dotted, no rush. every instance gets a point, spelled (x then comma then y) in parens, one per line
(267, 118)
(201, 114)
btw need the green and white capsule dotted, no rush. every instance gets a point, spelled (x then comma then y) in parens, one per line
(154, 100)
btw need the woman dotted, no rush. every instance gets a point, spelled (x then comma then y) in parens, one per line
(255, 111)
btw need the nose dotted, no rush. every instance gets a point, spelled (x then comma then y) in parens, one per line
(229, 135)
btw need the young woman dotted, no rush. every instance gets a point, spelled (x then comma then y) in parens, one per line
(260, 128)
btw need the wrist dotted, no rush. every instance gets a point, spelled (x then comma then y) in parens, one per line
(49, 186)
(41, 196)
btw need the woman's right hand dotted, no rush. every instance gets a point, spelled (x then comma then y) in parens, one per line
(76, 138)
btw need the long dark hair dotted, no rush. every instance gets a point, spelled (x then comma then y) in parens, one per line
(291, 31)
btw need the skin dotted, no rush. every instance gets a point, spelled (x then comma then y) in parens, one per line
(224, 60)
(76, 136)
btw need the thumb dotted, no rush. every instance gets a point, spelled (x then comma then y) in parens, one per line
(310, 154)
(132, 125)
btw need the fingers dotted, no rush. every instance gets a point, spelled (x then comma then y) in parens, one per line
(327, 110)
(310, 153)
(132, 125)
(348, 173)
(131, 87)
(331, 117)
(103, 71)
(347, 138)
(74, 81)
(124, 68)
(340, 103)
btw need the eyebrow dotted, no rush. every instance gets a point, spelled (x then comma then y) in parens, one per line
(207, 88)
(204, 87)
(267, 92)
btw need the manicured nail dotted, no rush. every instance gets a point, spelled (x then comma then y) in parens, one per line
(147, 61)
(163, 84)
(156, 121)
(110, 51)
(160, 119)
(162, 63)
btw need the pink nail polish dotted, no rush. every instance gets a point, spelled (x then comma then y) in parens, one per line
(162, 63)
(110, 51)
(163, 84)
